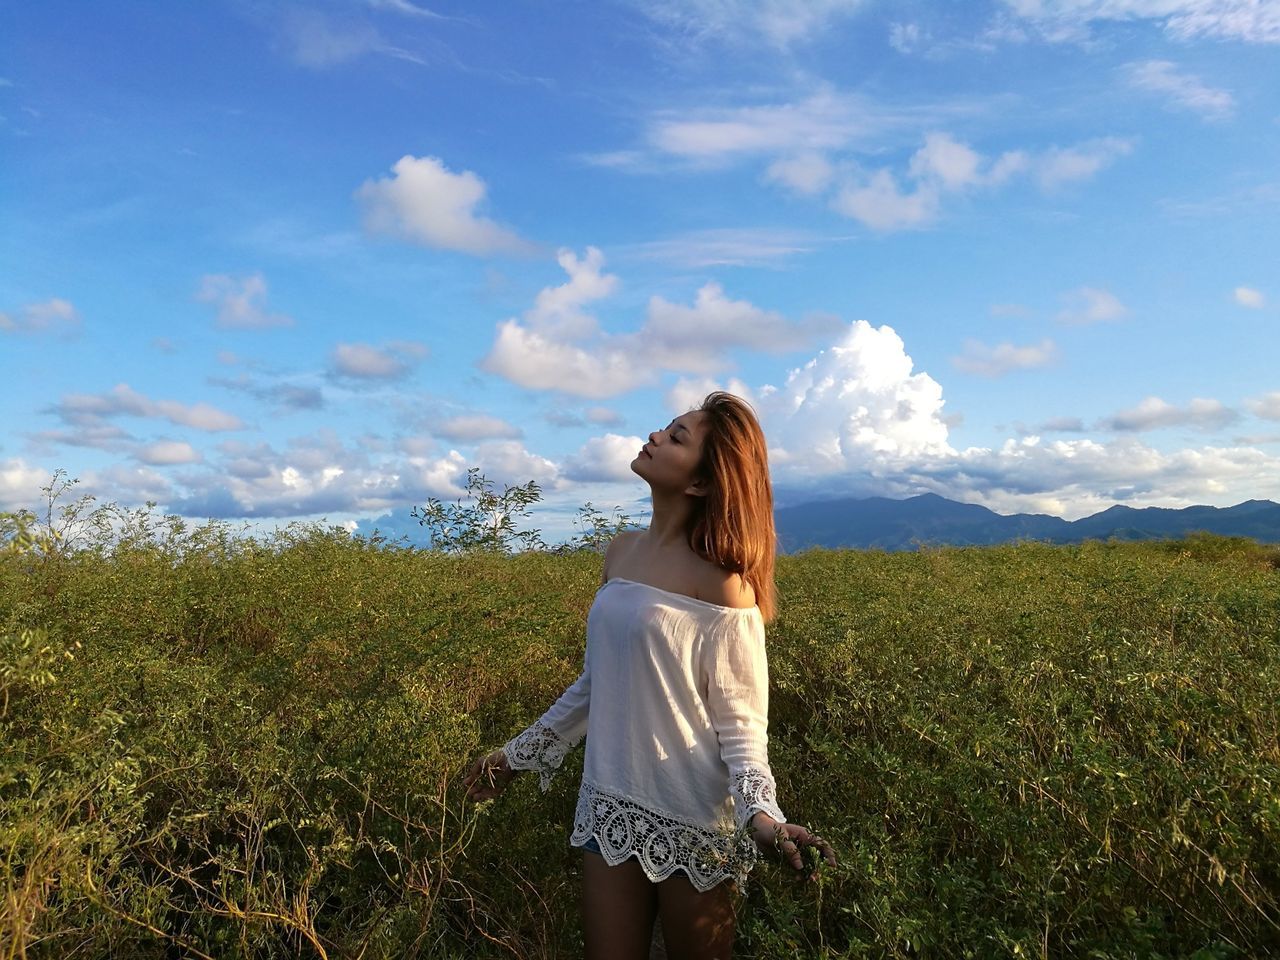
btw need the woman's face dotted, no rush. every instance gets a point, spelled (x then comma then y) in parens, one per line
(669, 458)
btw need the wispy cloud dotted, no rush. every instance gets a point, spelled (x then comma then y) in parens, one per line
(777, 23)
(995, 361)
(1154, 414)
(283, 396)
(728, 246)
(56, 316)
(365, 362)
(1183, 90)
(319, 41)
(167, 453)
(944, 165)
(407, 8)
(1253, 21)
(241, 303)
(1266, 406)
(1091, 305)
(1249, 297)
(1061, 165)
(91, 409)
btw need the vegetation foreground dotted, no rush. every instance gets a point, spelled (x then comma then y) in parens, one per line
(215, 746)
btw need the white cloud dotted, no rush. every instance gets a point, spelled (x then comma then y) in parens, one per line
(687, 392)
(604, 459)
(1090, 305)
(557, 310)
(995, 361)
(363, 361)
(1255, 21)
(167, 453)
(1183, 89)
(1248, 297)
(945, 165)
(241, 303)
(694, 338)
(823, 121)
(1266, 406)
(673, 337)
(805, 173)
(1074, 478)
(805, 140)
(1154, 414)
(55, 316)
(20, 484)
(853, 405)
(539, 362)
(90, 409)
(879, 203)
(509, 459)
(426, 203)
(942, 158)
(1060, 165)
(779, 23)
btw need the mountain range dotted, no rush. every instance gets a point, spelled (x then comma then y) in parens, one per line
(928, 519)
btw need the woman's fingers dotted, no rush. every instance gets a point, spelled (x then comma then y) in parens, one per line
(477, 788)
(801, 839)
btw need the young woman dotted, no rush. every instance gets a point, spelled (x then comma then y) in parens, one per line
(677, 797)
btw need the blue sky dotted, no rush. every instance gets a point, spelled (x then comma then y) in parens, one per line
(282, 261)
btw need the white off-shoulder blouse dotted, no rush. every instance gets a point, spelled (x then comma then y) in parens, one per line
(673, 700)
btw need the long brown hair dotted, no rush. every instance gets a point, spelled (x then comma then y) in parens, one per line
(732, 525)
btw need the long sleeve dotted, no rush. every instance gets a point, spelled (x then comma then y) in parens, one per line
(543, 745)
(736, 677)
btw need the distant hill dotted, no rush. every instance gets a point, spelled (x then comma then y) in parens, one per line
(881, 523)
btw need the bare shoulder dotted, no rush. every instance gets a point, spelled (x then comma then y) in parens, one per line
(616, 547)
(725, 587)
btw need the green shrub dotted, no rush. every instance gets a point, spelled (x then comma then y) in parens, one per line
(212, 745)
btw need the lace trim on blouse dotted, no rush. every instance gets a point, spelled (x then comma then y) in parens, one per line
(754, 791)
(662, 842)
(540, 748)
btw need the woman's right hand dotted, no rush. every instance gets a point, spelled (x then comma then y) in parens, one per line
(488, 776)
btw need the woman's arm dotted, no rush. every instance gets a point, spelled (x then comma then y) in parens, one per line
(736, 675)
(543, 745)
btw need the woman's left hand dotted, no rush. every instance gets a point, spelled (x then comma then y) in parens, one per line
(785, 842)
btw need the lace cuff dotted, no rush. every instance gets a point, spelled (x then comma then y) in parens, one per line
(539, 748)
(754, 791)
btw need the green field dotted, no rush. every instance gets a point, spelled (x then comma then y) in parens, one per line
(215, 746)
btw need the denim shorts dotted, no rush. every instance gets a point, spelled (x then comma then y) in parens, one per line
(595, 848)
